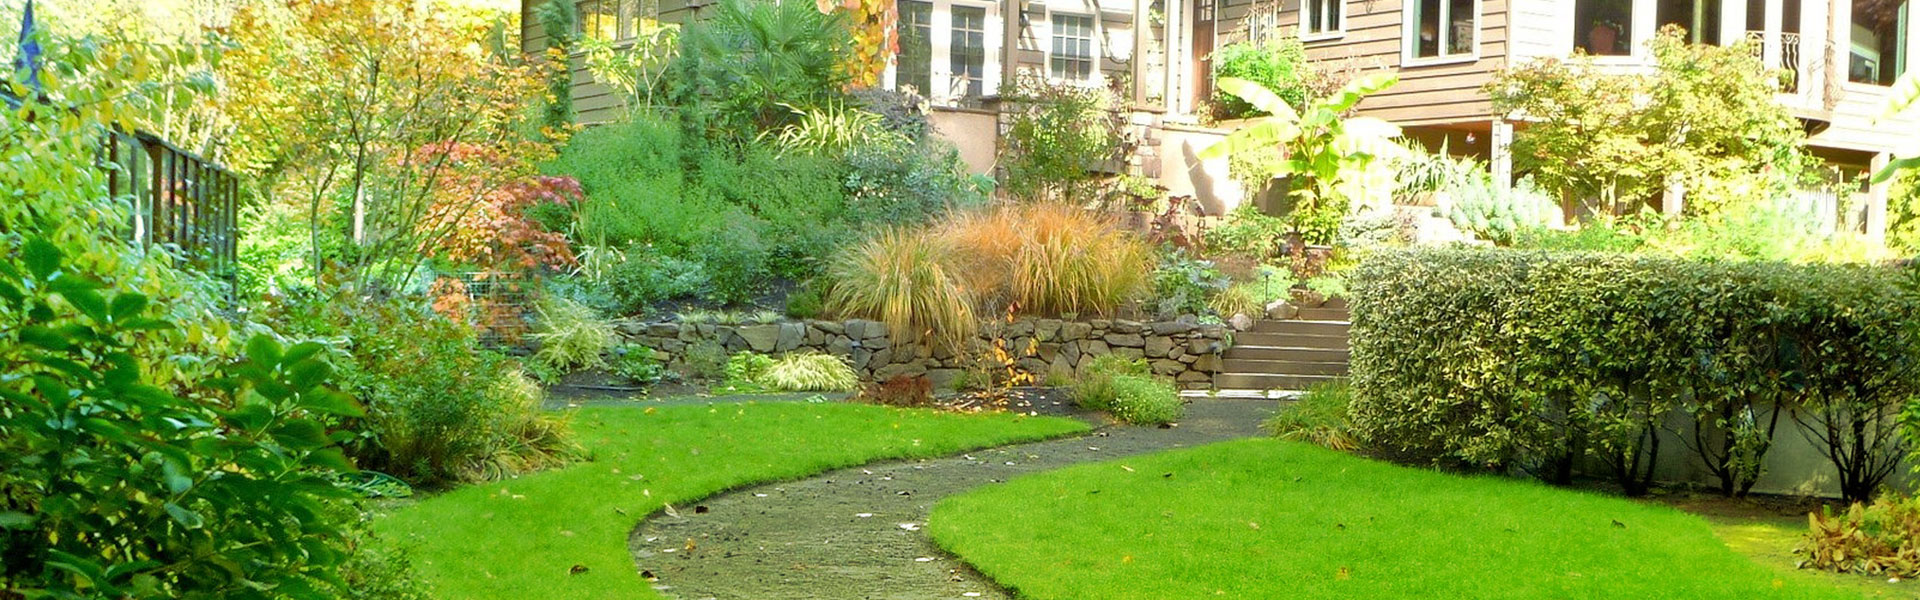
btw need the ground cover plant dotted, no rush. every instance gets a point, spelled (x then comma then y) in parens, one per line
(563, 534)
(1269, 518)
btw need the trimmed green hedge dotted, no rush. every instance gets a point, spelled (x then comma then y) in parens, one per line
(1533, 360)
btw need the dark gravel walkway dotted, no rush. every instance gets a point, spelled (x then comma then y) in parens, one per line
(856, 533)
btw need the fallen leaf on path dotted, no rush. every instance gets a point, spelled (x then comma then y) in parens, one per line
(668, 508)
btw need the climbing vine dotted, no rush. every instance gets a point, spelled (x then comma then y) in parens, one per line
(875, 38)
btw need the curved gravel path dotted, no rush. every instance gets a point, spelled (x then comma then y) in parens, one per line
(855, 533)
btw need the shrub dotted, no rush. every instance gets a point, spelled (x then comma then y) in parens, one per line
(635, 362)
(1057, 136)
(809, 372)
(1095, 390)
(902, 278)
(900, 390)
(1186, 285)
(571, 336)
(743, 70)
(735, 262)
(1278, 63)
(706, 360)
(1499, 215)
(1319, 417)
(1146, 400)
(891, 184)
(745, 370)
(1248, 232)
(1878, 539)
(805, 303)
(643, 278)
(1533, 360)
(1252, 297)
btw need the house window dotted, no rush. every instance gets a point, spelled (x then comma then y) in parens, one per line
(967, 56)
(1442, 28)
(611, 20)
(1072, 47)
(914, 61)
(949, 49)
(1322, 18)
(1603, 27)
(1877, 44)
(1700, 18)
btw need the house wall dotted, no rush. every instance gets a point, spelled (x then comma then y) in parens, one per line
(1427, 93)
(973, 132)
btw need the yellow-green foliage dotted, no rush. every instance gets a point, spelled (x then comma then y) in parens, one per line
(572, 336)
(1319, 417)
(903, 278)
(810, 372)
(1882, 539)
(1144, 400)
(1094, 390)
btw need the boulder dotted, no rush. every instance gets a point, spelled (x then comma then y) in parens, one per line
(761, 338)
(942, 379)
(1126, 340)
(880, 358)
(1159, 346)
(1019, 328)
(1240, 322)
(791, 335)
(1129, 353)
(1281, 309)
(1170, 327)
(910, 369)
(1100, 323)
(1032, 365)
(830, 327)
(1125, 326)
(662, 329)
(1048, 330)
(1306, 298)
(879, 342)
(689, 333)
(1207, 363)
(1201, 346)
(815, 338)
(1094, 348)
(1060, 366)
(1168, 367)
(839, 345)
(862, 329)
(1075, 330)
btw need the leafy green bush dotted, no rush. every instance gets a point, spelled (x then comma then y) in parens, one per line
(1057, 136)
(745, 369)
(805, 303)
(1143, 400)
(643, 278)
(894, 185)
(1319, 417)
(1185, 285)
(1248, 232)
(1278, 63)
(746, 67)
(809, 372)
(635, 362)
(1251, 297)
(797, 205)
(572, 336)
(735, 261)
(1094, 390)
(706, 360)
(1878, 539)
(1533, 360)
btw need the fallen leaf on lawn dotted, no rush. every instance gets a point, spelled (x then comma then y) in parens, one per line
(1129, 469)
(649, 410)
(1343, 574)
(1253, 524)
(690, 544)
(577, 569)
(566, 533)
(622, 511)
(1128, 559)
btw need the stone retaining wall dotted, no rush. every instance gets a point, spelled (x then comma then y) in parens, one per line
(1184, 350)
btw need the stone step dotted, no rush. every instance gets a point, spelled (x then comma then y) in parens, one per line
(1282, 367)
(1296, 327)
(1287, 354)
(1285, 340)
(1322, 314)
(1258, 381)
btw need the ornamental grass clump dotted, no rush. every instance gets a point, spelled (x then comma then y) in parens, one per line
(809, 372)
(572, 336)
(1040, 258)
(1318, 417)
(904, 278)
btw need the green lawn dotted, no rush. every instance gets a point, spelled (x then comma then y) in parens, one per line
(1273, 519)
(519, 539)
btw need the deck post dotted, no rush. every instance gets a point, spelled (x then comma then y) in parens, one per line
(1502, 154)
(1876, 214)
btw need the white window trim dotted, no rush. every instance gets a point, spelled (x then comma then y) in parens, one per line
(1307, 16)
(1095, 78)
(940, 31)
(1410, 37)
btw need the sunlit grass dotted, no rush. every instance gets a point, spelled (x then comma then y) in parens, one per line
(525, 538)
(1274, 519)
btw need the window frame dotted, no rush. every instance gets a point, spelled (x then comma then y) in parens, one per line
(1307, 16)
(1410, 35)
(940, 37)
(1094, 49)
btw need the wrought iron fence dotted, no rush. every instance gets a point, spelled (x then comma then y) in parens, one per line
(179, 198)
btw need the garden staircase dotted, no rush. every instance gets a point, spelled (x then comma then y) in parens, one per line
(1275, 357)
